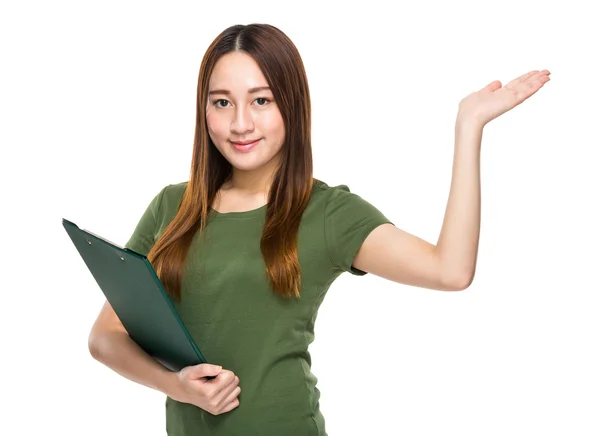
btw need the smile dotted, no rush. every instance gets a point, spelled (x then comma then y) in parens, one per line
(246, 146)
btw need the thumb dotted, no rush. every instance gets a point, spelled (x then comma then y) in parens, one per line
(492, 86)
(206, 369)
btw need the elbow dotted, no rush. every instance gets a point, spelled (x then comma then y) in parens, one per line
(95, 345)
(458, 282)
(454, 276)
(463, 284)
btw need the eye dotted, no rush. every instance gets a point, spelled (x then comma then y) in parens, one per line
(217, 101)
(262, 98)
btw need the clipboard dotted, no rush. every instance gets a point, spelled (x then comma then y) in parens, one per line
(131, 286)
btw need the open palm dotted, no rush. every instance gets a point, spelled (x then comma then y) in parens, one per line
(493, 100)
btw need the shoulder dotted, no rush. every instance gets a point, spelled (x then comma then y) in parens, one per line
(174, 190)
(344, 208)
(339, 201)
(325, 187)
(326, 192)
(167, 201)
(349, 219)
(332, 195)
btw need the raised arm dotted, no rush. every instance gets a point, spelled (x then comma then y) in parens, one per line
(396, 255)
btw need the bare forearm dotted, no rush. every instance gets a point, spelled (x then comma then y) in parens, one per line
(459, 237)
(119, 352)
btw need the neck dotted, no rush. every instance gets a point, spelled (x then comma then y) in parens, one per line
(253, 182)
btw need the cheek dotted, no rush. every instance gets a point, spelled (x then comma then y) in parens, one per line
(273, 124)
(210, 121)
(213, 124)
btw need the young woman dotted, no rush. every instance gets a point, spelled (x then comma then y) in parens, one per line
(248, 246)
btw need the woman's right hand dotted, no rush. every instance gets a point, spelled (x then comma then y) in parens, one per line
(216, 396)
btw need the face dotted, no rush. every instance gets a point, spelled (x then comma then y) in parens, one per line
(238, 112)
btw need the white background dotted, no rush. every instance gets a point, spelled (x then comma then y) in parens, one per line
(97, 115)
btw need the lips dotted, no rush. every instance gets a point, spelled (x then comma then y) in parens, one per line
(245, 146)
(244, 142)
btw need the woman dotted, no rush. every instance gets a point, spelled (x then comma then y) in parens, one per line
(248, 246)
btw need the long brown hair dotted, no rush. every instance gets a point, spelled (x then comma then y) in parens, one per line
(282, 66)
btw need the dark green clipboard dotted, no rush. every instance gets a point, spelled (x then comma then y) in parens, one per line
(139, 299)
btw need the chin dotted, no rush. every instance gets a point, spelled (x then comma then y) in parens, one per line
(247, 166)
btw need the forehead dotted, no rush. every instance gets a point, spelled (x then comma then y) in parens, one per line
(236, 71)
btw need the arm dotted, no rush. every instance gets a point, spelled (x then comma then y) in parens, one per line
(204, 385)
(396, 255)
(456, 249)
(110, 344)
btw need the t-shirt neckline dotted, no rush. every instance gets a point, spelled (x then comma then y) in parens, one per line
(242, 214)
(247, 213)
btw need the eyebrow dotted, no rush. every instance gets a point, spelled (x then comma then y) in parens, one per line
(250, 91)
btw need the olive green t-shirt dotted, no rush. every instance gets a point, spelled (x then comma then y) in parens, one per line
(238, 322)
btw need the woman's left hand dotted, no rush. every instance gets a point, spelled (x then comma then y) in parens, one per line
(490, 102)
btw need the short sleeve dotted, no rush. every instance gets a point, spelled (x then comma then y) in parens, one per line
(144, 234)
(349, 219)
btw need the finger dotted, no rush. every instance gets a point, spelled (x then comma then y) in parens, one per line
(226, 381)
(535, 82)
(515, 82)
(230, 397)
(540, 76)
(526, 89)
(235, 403)
(225, 394)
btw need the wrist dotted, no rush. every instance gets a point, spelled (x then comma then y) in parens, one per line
(467, 140)
(169, 385)
(468, 123)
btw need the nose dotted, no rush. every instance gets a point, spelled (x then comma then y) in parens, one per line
(242, 121)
